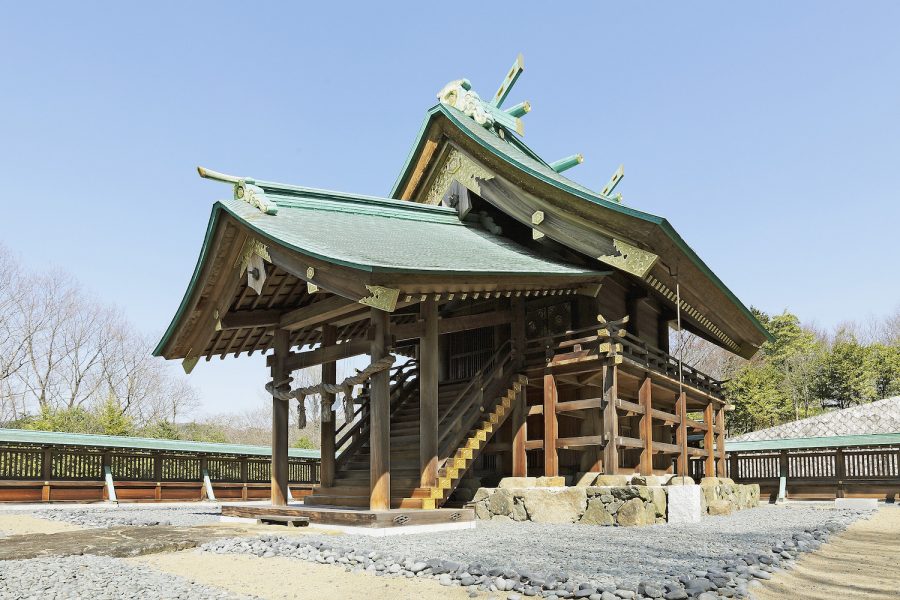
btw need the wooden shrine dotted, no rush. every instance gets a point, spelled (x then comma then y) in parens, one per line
(511, 317)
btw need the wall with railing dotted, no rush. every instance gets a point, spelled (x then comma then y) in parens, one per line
(821, 473)
(59, 472)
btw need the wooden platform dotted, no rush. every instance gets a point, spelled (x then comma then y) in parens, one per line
(351, 517)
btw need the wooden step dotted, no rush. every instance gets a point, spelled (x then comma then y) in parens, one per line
(360, 501)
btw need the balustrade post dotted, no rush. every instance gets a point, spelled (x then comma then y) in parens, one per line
(551, 427)
(839, 471)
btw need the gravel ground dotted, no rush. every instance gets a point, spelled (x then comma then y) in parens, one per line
(114, 516)
(97, 578)
(720, 557)
(626, 554)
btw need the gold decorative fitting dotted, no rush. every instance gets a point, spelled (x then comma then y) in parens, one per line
(630, 259)
(382, 298)
(311, 288)
(251, 247)
(310, 272)
(456, 166)
(189, 363)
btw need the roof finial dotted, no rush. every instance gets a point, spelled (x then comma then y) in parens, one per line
(244, 189)
(613, 182)
(460, 95)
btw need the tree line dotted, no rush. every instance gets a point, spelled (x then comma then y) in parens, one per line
(805, 370)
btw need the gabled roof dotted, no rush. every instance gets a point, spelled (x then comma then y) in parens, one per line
(25, 436)
(882, 416)
(648, 231)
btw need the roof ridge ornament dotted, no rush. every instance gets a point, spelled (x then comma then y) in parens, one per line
(459, 94)
(245, 189)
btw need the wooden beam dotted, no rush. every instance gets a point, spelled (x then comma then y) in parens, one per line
(428, 393)
(324, 354)
(629, 407)
(551, 427)
(251, 318)
(627, 442)
(587, 403)
(708, 441)
(317, 313)
(446, 325)
(329, 418)
(534, 444)
(519, 435)
(380, 418)
(720, 441)
(645, 395)
(580, 441)
(280, 410)
(537, 409)
(681, 435)
(696, 425)
(610, 419)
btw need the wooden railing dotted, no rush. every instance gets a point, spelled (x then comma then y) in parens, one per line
(657, 361)
(821, 472)
(59, 472)
(588, 343)
(478, 396)
(354, 432)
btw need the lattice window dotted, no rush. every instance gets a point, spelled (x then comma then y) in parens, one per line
(258, 471)
(180, 468)
(20, 464)
(134, 467)
(69, 465)
(469, 351)
(303, 472)
(223, 469)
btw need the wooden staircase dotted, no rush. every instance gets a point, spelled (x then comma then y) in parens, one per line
(469, 412)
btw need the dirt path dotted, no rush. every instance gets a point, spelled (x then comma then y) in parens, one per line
(286, 578)
(18, 524)
(863, 562)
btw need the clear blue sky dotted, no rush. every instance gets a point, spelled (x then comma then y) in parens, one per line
(767, 133)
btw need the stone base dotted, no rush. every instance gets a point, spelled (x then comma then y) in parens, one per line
(624, 505)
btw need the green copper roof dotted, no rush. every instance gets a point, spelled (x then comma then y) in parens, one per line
(834, 441)
(373, 234)
(23, 436)
(514, 151)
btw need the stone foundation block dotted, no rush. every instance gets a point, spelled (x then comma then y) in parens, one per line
(518, 482)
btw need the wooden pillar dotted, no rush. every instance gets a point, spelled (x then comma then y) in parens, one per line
(520, 434)
(662, 331)
(681, 435)
(428, 393)
(646, 427)
(839, 472)
(610, 420)
(720, 441)
(783, 467)
(734, 469)
(708, 439)
(328, 416)
(517, 326)
(46, 472)
(380, 417)
(551, 428)
(279, 470)
(244, 475)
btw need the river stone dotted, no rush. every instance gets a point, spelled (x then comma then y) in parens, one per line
(500, 502)
(633, 513)
(554, 505)
(596, 514)
(518, 510)
(611, 480)
(518, 482)
(481, 511)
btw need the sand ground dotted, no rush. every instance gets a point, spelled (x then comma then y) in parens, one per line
(26, 524)
(278, 578)
(861, 563)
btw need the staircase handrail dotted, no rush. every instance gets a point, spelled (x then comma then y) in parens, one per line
(490, 373)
